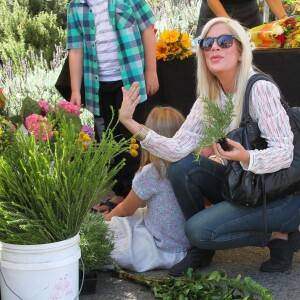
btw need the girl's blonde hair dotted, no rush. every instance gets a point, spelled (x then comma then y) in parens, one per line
(165, 121)
(209, 85)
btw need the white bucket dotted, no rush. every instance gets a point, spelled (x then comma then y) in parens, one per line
(40, 272)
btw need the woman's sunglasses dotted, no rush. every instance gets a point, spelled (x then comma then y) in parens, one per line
(224, 41)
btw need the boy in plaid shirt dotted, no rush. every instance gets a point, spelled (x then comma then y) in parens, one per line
(112, 44)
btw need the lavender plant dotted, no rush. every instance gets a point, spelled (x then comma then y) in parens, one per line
(37, 82)
(179, 15)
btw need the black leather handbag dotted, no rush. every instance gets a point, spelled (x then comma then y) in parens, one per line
(246, 188)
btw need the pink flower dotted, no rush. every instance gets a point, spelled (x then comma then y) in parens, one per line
(38, 125)
(45, 107)
(68, 107)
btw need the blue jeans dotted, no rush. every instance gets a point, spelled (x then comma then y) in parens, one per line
(193, 181)
(225, 225)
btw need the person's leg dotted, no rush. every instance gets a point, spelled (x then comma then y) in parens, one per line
(99, 127)
(111, 97)
(125, 176)
(191, 182)
(226, 226)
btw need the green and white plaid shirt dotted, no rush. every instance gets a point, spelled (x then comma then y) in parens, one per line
(128, 18)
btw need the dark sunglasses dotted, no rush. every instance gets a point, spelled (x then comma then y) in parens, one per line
(224, 41)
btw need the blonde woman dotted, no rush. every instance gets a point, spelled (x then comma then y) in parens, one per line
(224, 67)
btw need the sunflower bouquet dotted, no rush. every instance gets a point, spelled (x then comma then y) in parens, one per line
(173, 44)
(284, 33)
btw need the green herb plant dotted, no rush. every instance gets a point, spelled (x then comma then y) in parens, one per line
(215, 124)
(194, 286)
(96, 243)
(46, 189)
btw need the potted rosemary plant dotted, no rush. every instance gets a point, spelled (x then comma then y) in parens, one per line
(48, 182)
(96, 244)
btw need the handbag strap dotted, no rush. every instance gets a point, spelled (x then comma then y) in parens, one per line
(246, 119)
(255, 77)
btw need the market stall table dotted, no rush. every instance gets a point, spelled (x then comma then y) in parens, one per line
(177, 78)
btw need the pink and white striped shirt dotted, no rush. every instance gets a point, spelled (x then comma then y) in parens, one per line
(265, 109)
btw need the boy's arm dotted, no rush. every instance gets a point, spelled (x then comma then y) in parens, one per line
(127, 207)
(76, 72)
(149, 43)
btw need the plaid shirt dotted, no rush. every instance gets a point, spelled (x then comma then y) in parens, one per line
(128, 18)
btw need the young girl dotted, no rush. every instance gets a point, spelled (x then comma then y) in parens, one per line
(151, 237)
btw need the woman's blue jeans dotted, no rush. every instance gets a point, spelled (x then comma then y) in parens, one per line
(224, 225)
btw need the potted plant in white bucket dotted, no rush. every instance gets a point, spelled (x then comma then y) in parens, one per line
(48, 182)
(96, 244)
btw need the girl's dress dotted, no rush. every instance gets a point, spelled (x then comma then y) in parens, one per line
(152, 238)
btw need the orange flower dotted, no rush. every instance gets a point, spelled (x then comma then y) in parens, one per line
(133, 148)
(161, 50)
(186, 41)
(170, 36)
(173, 45)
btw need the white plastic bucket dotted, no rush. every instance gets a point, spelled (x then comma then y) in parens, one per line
(40, 272)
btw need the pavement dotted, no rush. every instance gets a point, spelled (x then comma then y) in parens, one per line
(244, 261)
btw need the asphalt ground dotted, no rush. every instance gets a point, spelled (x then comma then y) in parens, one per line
(244, 261)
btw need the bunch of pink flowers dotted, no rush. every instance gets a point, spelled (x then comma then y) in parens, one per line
(68, 107)
(37, 125)
(63, 104)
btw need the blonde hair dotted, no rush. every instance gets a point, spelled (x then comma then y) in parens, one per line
(165, 121)
(209, 85)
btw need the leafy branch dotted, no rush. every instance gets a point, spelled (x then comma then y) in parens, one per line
(195, 285)
(215, 124)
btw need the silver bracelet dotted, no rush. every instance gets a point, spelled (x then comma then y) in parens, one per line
(140, 136)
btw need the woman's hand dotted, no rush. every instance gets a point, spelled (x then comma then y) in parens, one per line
(238, 152)
(131, 99)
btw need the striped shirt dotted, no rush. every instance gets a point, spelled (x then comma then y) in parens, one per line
(128, 19)
(106, 43)
(265, 109)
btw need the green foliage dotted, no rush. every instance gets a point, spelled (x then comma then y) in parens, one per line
(195, 285)
(29, 107)
(96, 242)
(7, 134)
(59, 8)
(21, 32)
(47, 189)
(216, 122)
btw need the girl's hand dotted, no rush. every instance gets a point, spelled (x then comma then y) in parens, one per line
(238, 152)
(131, 99)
